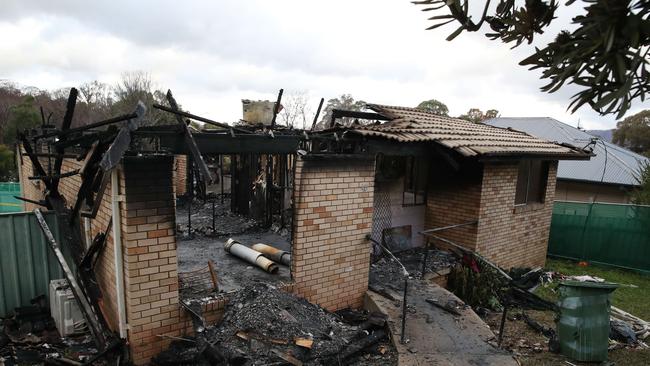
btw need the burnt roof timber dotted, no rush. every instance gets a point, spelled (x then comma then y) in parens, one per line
(212, 144)
(90, 126)
(190, 142)
(339, 113)
(65, 125)
(199, 118)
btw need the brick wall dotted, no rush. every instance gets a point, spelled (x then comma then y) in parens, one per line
(454, 199)
(513, 236)
(507, 235)
(180, 174)
(31, 189)
(333, 213)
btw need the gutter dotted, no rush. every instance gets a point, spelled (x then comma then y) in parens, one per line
(117, 250)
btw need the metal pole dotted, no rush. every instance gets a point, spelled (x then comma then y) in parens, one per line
(190, 199)
(404, 307)
(503, 323)
(214, 214)
(425, 258)
(221, 175)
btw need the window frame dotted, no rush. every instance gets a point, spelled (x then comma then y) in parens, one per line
(412, 176)
(536, 169)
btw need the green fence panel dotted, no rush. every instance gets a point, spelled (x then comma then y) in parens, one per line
(7, 201)
(617, 235)
(27, 263)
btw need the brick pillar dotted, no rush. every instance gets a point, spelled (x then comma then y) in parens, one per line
(150, 262)
(333, 213)
(180, 174)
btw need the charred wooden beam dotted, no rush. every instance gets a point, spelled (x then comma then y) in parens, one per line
(90, 126)
(122, 141)
(276, 108)
(320, 106)
(86, 309)
(55, 176)
(40, 203)
(212, 144)
(99, 243)
(189, 140)
(65, 156)
(97, 200)
(199, 118)
(65, 125)
(340, 113)
(36, 164)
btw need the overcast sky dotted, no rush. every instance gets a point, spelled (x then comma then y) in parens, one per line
(213, 54)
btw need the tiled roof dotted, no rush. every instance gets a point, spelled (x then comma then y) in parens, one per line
(611, 163)
(467, 138)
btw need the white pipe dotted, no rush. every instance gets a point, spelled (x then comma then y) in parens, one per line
(249, 255)
(117, 250)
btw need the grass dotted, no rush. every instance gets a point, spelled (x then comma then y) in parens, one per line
(634, 300)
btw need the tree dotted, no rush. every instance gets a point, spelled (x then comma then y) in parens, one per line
(641, 196)
(7, 164)
(606, 55)
(434, 106)
(22, 116)
(345, 101)
(296, 109)
(634, 133)
(476, 115)
(138, 86)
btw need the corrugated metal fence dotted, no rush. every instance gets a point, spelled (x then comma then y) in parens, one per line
(27, 263)
(7, 201)
(611, 234)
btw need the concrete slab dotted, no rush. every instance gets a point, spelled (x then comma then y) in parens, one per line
(435, 336)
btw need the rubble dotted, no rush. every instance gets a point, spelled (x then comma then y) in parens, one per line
(30, 338)
(227, 223)
(265, 325)
(386, 271)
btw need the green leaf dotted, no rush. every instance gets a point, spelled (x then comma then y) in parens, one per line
(456, 33)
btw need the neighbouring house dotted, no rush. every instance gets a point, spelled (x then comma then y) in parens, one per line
(609, 176)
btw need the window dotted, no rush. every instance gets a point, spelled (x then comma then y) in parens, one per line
(415, 181)
(531, 182)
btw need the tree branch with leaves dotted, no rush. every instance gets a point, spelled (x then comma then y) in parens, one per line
(606, 56)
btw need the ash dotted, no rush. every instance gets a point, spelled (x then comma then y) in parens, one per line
(387, 272)
(227, 223)
(261, 321)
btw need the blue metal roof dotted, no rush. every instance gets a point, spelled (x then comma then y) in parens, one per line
(622, 165)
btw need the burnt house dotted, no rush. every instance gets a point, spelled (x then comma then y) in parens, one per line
(434, 172)
(403, 179)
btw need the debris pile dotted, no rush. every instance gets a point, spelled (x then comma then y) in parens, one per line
(386, 271)
(264, 325)
(30, 338)
(201, 216)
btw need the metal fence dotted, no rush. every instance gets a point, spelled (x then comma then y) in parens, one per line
(27, 263)
(611, 234)
(7, 201)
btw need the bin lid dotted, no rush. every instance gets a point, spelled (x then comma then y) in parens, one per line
(588, 284)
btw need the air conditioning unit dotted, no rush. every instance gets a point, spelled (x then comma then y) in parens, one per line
(65, 310)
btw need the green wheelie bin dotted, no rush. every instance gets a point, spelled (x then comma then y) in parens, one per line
(583, 326)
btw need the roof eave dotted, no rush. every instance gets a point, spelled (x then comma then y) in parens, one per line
(533, 155)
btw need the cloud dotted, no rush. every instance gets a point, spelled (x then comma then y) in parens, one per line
(213, 54)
